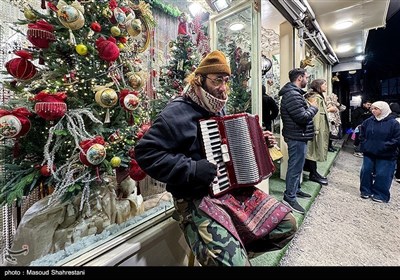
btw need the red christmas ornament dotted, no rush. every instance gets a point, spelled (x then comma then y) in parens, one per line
(115, 137)
(93, 151)
(15, 123)
(142, 130)
(95, 26)
(40, 34)
(45, 170)
(131, 153)
(20, 67)
(128, 99)
(50, 106)
(135, 172)
(122, 40)
(107, 49)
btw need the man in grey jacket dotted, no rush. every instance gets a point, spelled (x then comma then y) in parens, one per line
(298, 128)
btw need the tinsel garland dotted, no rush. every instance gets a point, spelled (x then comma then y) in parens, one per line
(71, 172)
(76, 127)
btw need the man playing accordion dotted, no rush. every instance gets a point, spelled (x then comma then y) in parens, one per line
(221, 230)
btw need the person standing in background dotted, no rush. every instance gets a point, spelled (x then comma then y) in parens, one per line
(359, 115)
(317, 149)
(270, 109)
(297, 119)
(334, 109)
(379, 143)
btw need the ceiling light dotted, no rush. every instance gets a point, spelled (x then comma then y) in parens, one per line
(220, 5)
(236, 26)
(344, 48)
(343, 24)
(360, 57)
(195, 8)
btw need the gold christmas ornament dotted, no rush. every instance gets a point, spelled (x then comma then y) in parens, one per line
(106, 97)
(107, 13)
(135, 80)
(115, 162)
(29, 15)
(81, 49)
(71, 16)
(134, 27)
(115, 31)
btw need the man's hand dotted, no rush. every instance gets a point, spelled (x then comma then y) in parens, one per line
(269, 138)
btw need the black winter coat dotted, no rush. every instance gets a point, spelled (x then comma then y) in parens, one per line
(296, 115)
(171, 150)
(270, 111)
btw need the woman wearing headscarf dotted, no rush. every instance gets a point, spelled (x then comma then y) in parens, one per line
(379, 142)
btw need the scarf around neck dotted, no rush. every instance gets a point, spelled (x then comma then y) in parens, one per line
(205, 100)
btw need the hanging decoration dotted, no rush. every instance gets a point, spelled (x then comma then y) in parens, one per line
(106, 97)
(93, 151)
(134, 27)
(40, 34)
(107, 48)
(135, 172)
(21, 68)
(136, 81)
(129, 101)
(15, 123)
(50, 106)
(71, 16)
(119, 16)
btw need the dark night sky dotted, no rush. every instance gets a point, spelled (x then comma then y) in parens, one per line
(382, 49)
(383, 56)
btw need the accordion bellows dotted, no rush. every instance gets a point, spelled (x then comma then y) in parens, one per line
(237, 145)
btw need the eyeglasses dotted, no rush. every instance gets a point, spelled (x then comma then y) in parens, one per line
(219, 81)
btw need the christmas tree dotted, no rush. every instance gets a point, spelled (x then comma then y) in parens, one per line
(185, 53)
(79, 100)
(240, 97)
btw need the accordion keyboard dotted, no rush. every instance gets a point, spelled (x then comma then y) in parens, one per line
(215, 153)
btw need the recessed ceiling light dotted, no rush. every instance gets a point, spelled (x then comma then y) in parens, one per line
(236, 26)
(343, 24)
(344, 48)
(360, 57)
(195, 8)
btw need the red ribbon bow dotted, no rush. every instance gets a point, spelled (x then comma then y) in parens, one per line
(86, 144)
(18, 112)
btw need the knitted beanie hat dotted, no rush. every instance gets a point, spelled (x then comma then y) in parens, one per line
(215, 62)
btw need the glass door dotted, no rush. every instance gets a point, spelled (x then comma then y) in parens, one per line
(236, 32)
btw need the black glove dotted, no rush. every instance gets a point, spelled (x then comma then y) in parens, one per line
(205, 171)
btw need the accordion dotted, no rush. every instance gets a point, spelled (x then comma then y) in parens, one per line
(237, 145)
